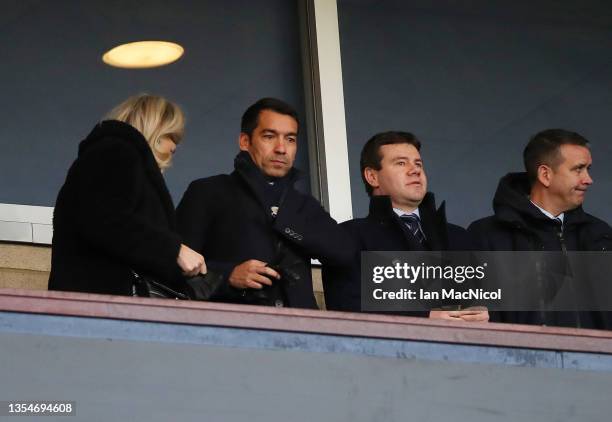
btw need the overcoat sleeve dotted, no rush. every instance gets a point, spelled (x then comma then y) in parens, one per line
(342, 283)
(194, 217)
(307, 225)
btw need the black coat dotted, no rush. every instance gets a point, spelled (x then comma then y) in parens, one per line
(382, 230)
(113, 215)
(518, 225)
(227, 219)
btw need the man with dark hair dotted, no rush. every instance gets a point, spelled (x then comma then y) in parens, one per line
(250, 118)
(403, 217)
(541, 210)
(253, 226)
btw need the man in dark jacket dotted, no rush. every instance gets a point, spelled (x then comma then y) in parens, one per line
(403, 217)
(541, 210)
(253, 226)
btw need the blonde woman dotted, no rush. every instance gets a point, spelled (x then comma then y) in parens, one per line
(114, 215)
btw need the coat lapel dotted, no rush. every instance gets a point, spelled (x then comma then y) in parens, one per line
(433, 222)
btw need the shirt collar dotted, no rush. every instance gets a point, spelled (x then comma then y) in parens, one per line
(549, 215)
(400, 212)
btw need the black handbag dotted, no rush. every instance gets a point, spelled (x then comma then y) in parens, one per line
(200, 287)
(145, 286)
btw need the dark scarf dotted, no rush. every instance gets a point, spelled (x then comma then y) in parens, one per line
(269, 190)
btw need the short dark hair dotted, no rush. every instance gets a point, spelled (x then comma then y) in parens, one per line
(250, 118)
(370, 154)
(544, 148)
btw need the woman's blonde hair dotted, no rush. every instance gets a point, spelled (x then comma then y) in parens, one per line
(154, 117)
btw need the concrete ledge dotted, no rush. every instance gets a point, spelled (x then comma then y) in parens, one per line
(15, 231)
(26, 213)
(305, 321)
(26, 223)
(42, 234)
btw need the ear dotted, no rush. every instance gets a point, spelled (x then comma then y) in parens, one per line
(545, 174)
(371, 176)
(244, 141)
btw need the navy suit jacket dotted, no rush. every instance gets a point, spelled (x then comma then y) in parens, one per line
(382, 230)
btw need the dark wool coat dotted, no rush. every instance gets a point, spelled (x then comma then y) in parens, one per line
(113, 215)
(382, 230)
(518, 225)
(226, 218)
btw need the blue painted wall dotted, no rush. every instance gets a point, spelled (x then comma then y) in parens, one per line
(55, 86)
(474, 80)
(130, 370)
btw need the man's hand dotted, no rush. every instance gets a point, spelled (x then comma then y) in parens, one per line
(191, 262)
(252, 274)
(476, 313)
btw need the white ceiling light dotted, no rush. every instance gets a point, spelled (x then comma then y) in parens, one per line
(143, 54)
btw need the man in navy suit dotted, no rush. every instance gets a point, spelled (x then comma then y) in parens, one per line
(402, 217)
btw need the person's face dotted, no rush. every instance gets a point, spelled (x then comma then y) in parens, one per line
(569, 181)
(401, 176)
(166, 146)
(273, 144)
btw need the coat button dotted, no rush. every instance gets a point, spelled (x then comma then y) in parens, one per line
(278, 303)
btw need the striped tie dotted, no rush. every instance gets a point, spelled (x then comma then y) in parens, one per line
(413, 223)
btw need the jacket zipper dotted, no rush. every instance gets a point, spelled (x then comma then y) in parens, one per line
(565, 256)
